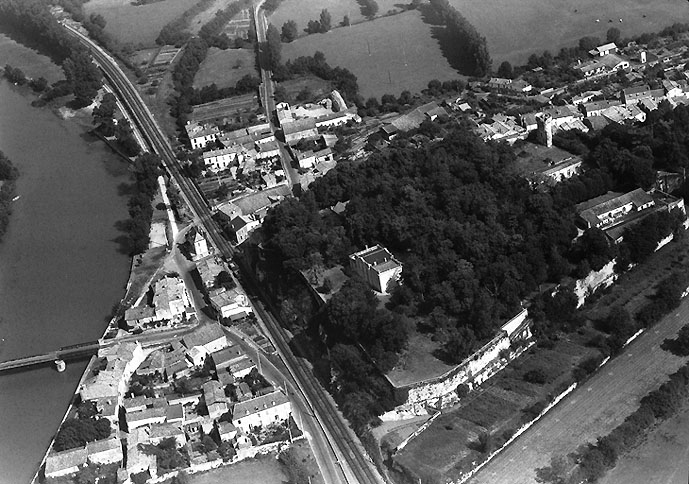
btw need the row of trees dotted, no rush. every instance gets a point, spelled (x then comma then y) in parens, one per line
(8, 175)
(320, 26)
(248, 83)
(104, 120)
(212, 32)
(175, 31)
(655, 407)
(194, 54)
(147, 168)
(474, 48)
(342, 79)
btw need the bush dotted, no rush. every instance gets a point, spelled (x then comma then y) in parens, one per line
(537, 376)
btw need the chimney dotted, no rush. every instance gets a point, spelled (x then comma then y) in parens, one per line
(642, 56)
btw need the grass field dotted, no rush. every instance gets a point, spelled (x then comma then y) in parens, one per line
(515, 30)
(301, 11)
(263, 470)
(403, 53)
(225, 67)
(139, 25)
(31, 62)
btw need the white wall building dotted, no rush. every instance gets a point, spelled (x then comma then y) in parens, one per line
(261, 411)
(377, 266)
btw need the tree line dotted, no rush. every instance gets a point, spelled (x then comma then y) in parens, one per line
(32, 17)
(147, 168)
(174, 32)
(473, 45)
(8, 175)
(104, 120)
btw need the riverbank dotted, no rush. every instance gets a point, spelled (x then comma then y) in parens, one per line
(61, 268)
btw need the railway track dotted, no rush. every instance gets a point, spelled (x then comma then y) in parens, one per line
(340, 438)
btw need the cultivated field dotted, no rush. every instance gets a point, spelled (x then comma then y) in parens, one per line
(225, 67)
(515, 30)
(137, 24)
(661, 458)
(388, 55)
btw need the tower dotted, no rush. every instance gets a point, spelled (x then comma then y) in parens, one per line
(545, 129)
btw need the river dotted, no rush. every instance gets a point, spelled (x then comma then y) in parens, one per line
(61, 271)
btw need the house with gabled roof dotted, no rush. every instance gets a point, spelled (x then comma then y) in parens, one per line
(64, 463)
(214, 396)
(242, 226)
(201, 134)
(209, 336)
(261, 411)
(605, 49)
(106, 451)
(160, 432)
(611, 208)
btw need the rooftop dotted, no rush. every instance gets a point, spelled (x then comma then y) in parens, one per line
(203, 335)
(379, 257)
(60, 461)
(258, 404)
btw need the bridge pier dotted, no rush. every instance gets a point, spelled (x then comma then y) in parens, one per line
(60, 365)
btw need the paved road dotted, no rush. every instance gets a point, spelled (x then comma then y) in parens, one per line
(592, 410)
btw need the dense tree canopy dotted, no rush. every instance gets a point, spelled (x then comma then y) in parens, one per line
(472, 236)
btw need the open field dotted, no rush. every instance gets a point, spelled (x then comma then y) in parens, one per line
(515, 30)
(225, 67)
(403, 54)
(127, 23)
(263, 470)
(661, 458)
(594, 409)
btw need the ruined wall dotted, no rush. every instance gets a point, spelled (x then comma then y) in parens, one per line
(440, 392)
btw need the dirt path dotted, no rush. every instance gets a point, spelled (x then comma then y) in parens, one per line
(592, 410)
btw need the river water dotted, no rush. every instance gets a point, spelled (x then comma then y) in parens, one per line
(61, 271)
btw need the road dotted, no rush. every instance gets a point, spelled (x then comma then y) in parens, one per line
(592, 410)
(268, 91)
(334, 429)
